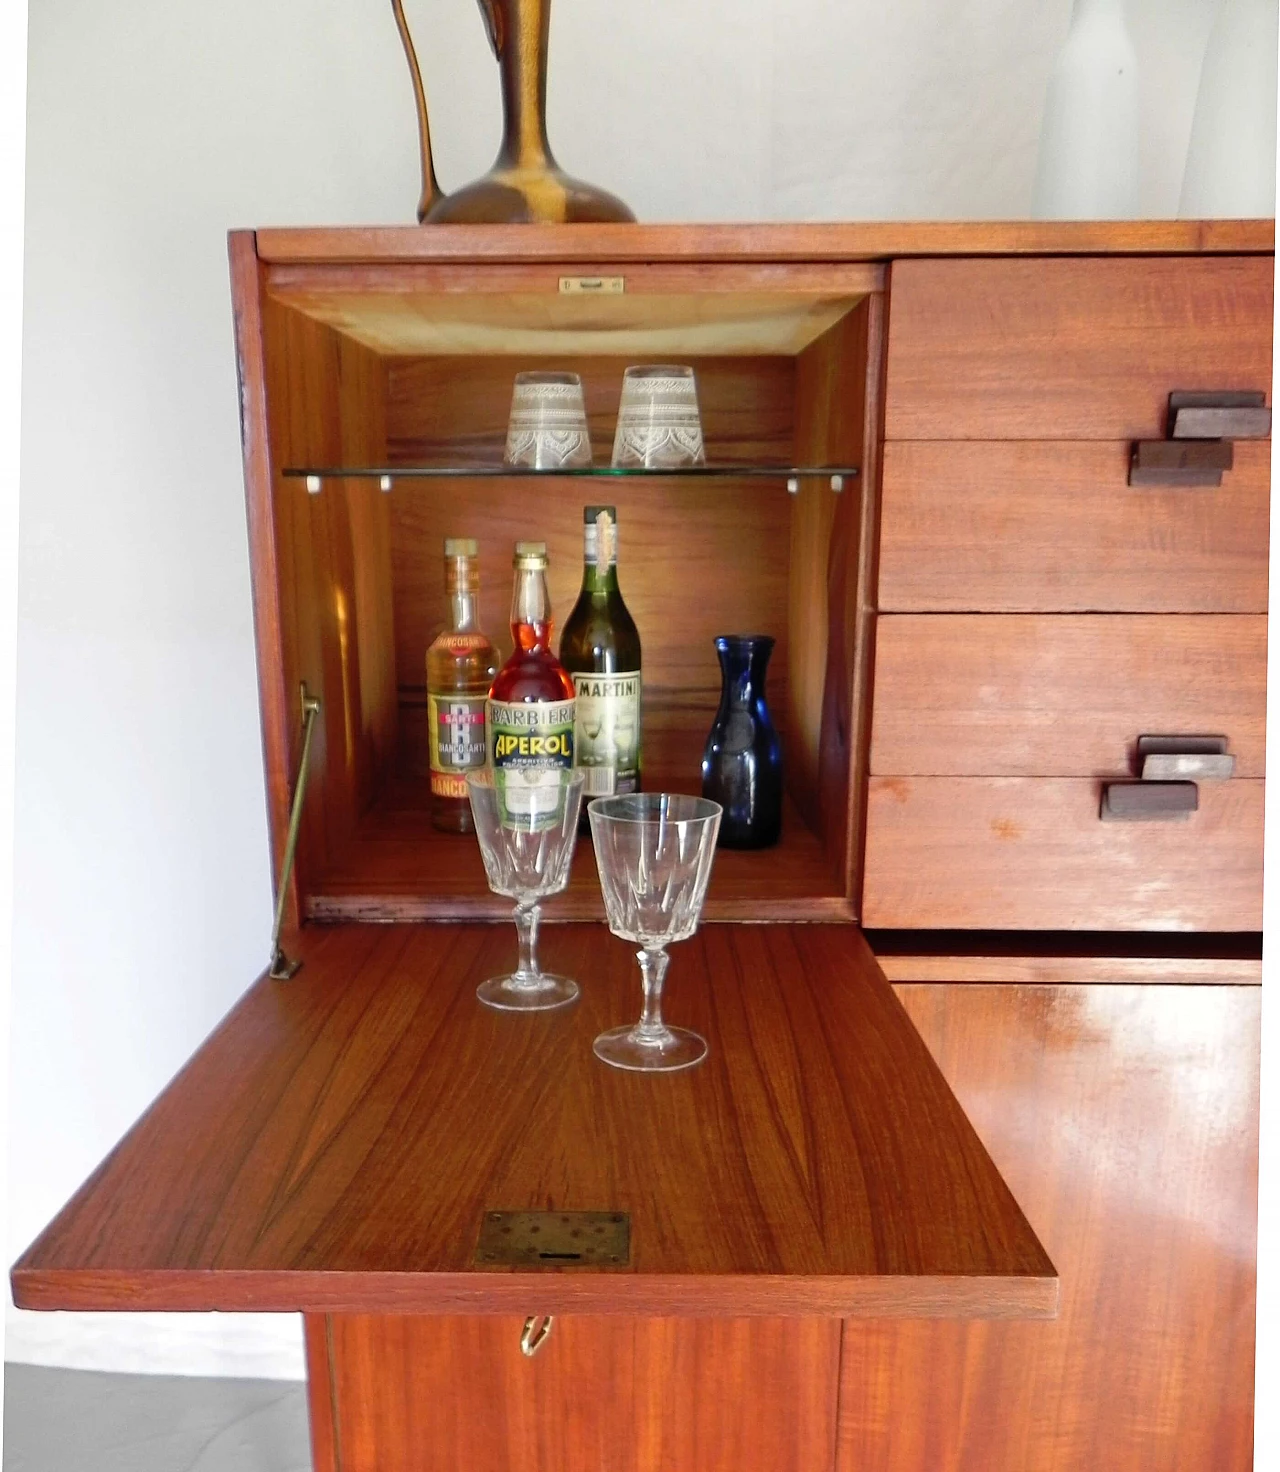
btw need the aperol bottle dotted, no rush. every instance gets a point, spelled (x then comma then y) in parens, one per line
(531, 702)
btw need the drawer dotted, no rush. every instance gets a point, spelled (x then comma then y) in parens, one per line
(1054, 525)
(1045, 695)
(1028, 853)
(1069, 348)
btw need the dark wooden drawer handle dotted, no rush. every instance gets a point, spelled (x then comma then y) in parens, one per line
(1219, 416)
(1179, 462)
(1148, 802)
(1185, 759)
(1202, 425)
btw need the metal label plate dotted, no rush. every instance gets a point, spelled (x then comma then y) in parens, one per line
(592, 285)
(554, 1239)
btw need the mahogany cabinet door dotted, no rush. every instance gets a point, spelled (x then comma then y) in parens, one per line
(399, 1393)
(1085, 348)
(1125, 1119)
(1054, 526)
(1032, 853)
(1062, 695)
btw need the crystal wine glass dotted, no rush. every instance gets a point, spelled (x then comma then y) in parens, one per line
(527, 824)
(654, 852)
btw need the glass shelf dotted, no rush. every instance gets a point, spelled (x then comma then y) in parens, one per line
(387, 475)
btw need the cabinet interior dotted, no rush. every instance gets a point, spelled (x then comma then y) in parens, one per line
(393, 374)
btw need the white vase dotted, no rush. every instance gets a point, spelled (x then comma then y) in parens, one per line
(1088, 164)
(1231, 160)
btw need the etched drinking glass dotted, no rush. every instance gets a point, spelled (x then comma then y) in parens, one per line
(547, 429)
(659, 427)
(654, 851)
(527, 826)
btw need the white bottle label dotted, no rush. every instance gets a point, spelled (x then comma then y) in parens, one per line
(607, 732)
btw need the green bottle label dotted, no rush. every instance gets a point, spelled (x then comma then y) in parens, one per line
(607, 732)
(529, 746)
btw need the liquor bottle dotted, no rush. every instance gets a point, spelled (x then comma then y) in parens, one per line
(461, 664)
(530, 708)
(601, 650)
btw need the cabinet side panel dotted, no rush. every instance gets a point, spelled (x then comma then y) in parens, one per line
(320, 1397)
(437, 1394)
(833, 548)
(326, 403)
(1124, 1118)
(247, 308)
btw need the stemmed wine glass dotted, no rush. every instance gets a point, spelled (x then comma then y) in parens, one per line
(527, 825)
(654, 852)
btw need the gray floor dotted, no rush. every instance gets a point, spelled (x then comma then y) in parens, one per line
(78, 1421)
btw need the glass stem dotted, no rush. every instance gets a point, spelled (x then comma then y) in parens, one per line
(653, 967)
(527, 929)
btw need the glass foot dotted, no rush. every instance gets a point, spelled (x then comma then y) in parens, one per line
(518, 993)
(657, 1050)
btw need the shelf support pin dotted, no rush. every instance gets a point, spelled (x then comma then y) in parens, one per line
(282, 968)
(837, 483)
(384, 483)
(793, 485)
(313, 485)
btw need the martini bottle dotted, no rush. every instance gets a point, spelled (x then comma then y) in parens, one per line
(601, 650)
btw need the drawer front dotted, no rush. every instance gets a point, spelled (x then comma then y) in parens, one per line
(1054, 525)
(1074, 348)
(1027, 853)
(1032, 695)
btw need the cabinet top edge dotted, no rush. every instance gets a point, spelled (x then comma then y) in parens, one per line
(827, 241)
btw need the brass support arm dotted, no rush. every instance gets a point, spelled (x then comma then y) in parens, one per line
(282, 968)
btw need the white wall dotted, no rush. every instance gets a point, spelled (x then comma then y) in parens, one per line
(143, 893)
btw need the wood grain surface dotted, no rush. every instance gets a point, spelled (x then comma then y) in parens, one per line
(1030, 853)
(1069, 349)
(1125, 1118)
(333, 1146)
(632, 1395)
(484, 308)
(769, 242)
(1051, 695)
(330, 564)
(1054, 526)
(397, 867)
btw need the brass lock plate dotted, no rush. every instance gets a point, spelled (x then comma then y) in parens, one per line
(554, 1239)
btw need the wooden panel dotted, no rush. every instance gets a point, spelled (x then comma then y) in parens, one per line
(1054, 526)
(1126, 1119)
(325, 401)
(321, 1410)
(630, 1395)
(493, 309)
(275, 700)
(334, 1145)
(858, 240)
(1019, 853)
(1036, 968)
(832, 542)
(1033, 695)
(397, 867)
(1069, 349)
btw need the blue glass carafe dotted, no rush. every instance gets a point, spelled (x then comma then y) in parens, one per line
(742, 760)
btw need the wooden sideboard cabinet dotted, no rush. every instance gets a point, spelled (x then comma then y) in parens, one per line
(971, 1191)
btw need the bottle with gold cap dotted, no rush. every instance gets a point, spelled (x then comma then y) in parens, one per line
(601, 650)
(461, 664)
(531, 704)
